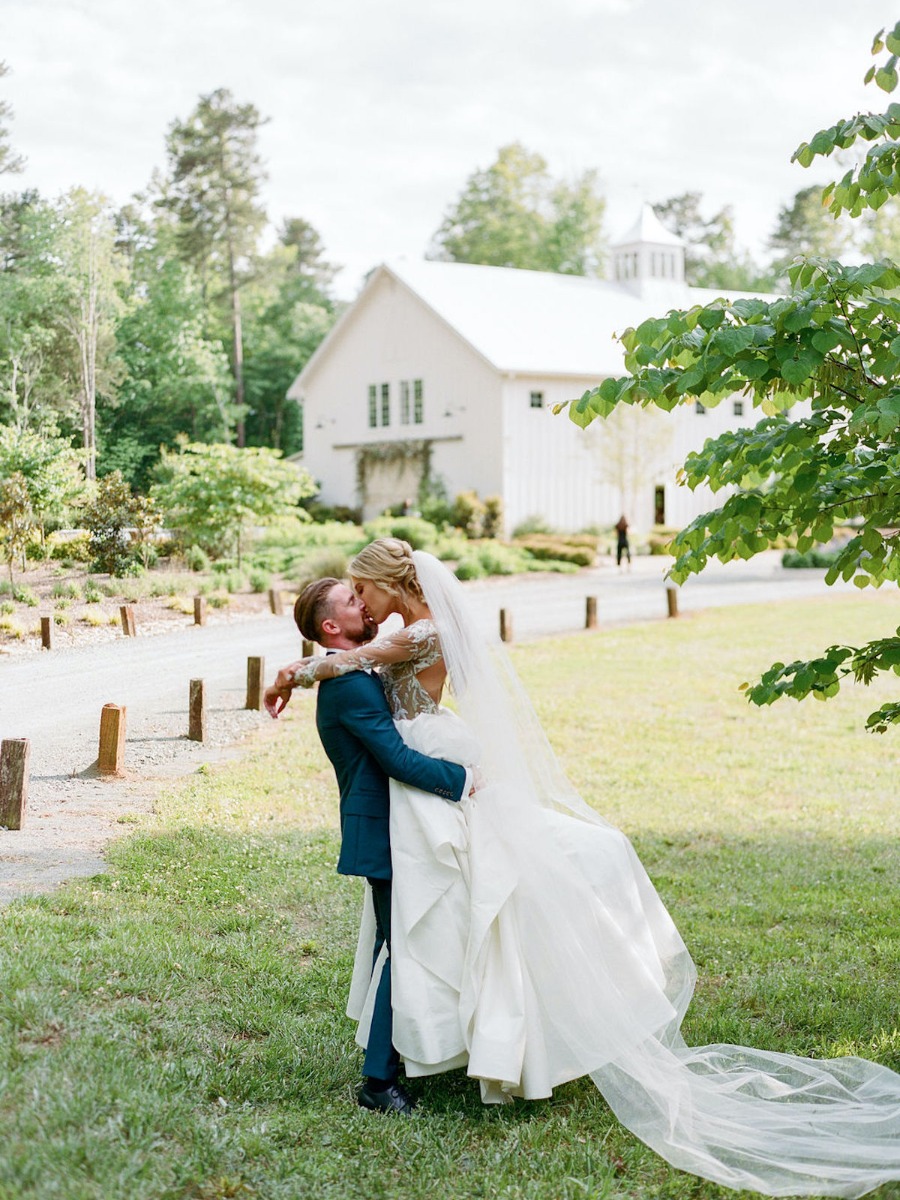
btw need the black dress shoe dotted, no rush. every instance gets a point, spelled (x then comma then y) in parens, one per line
(393, 1099)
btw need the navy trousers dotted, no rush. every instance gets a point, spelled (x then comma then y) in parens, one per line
(382, 1061)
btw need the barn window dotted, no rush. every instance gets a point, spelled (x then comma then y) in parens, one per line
(738, 407)
(373, 405)
(385, 404)
(418, 402)
(537, 400)
(701, 409)
(404, 402)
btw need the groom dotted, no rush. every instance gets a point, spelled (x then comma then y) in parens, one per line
(365, 749)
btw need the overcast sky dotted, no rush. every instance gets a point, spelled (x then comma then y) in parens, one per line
(380, 109)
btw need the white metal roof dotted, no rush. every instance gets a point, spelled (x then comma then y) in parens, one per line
(527, 322)
(534, 322)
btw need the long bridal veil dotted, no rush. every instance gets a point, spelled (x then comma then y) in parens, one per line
(612, 978)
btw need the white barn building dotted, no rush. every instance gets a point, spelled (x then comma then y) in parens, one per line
(453, 369)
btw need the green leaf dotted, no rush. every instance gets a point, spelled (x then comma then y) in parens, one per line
(690, 379)
(732, 339)
(886, 77)
(582, 411)
(826, 340)
(799, 368)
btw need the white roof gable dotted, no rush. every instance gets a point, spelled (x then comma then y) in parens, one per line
(527, 322)
(534, 322)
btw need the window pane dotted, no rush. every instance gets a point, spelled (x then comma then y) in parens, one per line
(537, 399)
(418, 402)
(373, 405)
(385, 404)
(738, 408)
(701, 409)
(404, 402)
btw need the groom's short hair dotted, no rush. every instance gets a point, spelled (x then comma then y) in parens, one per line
(313, 606)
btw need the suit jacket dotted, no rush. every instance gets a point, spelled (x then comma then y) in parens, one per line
(360, 738)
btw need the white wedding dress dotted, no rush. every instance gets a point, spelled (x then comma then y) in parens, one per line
(529, 945)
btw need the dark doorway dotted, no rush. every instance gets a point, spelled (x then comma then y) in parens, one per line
(659, 506)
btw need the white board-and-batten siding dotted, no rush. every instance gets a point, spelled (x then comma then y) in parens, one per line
(389, 339)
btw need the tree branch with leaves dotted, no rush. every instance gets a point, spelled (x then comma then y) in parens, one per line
(834, 342)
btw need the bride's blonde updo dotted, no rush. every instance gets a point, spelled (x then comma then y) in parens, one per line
(388, 564)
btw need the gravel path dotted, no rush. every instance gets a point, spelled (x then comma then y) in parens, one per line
(54, 699)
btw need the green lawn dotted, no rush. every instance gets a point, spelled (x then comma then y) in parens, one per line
(173, 1029)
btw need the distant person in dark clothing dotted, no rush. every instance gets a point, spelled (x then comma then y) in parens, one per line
(622, 546)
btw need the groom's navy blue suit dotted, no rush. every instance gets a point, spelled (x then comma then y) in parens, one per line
(365, 749)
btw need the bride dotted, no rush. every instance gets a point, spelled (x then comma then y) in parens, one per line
(530, 945)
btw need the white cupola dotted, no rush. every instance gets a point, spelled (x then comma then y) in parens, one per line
(648, 255)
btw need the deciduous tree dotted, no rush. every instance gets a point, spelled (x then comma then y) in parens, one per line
(10, 162)
(212, 191)
(835, 343)
(712, 258)
(213, 493)
(91, 273)
(514, 214)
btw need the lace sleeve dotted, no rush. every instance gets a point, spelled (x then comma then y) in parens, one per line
(417, 643)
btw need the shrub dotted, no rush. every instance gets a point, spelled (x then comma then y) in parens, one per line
(420, 534)
(94, 619)
(217, 600)
(470, 568)
(468, 514)
(451, 546)
(492, 521)
(70, 591)
(235, 581)
(497, 559)
(92, 594)
(320, 565)
(71, 549)
(7, 608)
(580, 555)
(109, 519)
(339, 512)
(12, 627)
(25, 596)
(260, 581)
(659, 538)
(434, 502)
(196, 558)
(811, 558)
(532, 524)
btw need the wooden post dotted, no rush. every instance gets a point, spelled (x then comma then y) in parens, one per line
(199, 610)
(197, 711)
(275, 602)
(590, 612)
(309, 648)
(506, 625)
(14, 754)
(256, 674)
(111, 758)
(126, 615)
(47, 633)
(672, 601)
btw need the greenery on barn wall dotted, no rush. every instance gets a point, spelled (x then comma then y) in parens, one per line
(397, 454)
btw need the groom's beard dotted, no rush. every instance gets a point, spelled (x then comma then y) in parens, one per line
(366, 634)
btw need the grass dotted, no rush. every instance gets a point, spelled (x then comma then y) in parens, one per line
(172, 1029)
